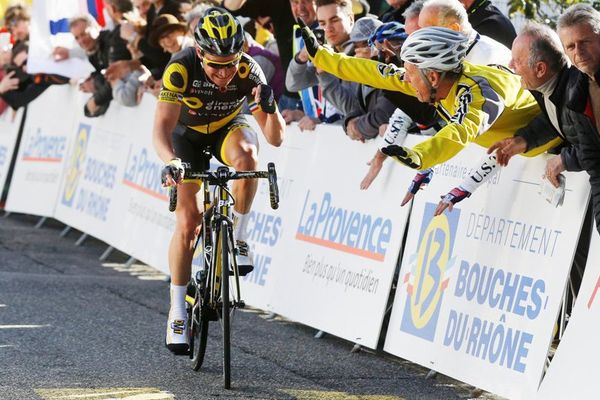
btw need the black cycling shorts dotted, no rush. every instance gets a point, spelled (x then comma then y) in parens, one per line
(189, 144)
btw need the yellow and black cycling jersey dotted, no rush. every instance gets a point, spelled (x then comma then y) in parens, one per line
(205, 107)
(485, 104)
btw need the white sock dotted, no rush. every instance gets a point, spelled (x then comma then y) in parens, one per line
(239, 225)
(177, 310)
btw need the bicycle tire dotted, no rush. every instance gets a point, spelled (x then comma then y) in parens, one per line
(224, 247)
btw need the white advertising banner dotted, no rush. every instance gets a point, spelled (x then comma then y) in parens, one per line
(10, 122)
(480, 287)
(574, 371)
(266, 227)
(145, 225)
(341, 248)
(89, 199)
(42, 152)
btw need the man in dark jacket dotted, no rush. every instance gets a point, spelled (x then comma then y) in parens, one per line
(488, 20)
(538, 57)
(579, 31)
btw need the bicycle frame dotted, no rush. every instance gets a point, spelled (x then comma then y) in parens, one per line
(211, 287)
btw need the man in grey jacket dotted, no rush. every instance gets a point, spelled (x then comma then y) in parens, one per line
(336, 19)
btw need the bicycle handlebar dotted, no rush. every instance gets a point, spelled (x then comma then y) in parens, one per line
(222, 175)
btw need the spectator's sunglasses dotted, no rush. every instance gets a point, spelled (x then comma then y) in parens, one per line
(223, 65)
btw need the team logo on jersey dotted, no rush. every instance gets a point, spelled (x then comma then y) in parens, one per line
(426, 282)
(386, 70)
(464, 99)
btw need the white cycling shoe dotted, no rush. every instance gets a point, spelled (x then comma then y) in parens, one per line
(244, 257)
(178, 338)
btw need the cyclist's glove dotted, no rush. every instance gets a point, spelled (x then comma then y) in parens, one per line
(310, 40)
(174, 169)
(267, 100)
(455, 195)
(420, 179)
(403, 154)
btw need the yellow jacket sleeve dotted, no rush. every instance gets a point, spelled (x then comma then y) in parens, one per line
(361, 70)
(468, 122)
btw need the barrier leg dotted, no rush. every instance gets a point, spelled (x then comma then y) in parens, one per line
(6, 214)
(356, 348)
(431, 374)
(40, 223)
(81, 239)
(130, 262)
(563, 315)
(271, 316)
(66, 230)
(320, 335)
(106, 253)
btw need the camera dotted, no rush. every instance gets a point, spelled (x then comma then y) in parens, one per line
(320, 35)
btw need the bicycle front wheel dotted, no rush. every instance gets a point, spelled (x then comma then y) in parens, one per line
(199, 333)
(225, 262)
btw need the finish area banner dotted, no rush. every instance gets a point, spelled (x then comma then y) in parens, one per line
(341, 243)
(480, 287)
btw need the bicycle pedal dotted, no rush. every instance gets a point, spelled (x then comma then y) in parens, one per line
(243, 270)
(240, 304)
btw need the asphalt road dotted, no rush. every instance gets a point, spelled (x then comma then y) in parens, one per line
(72, 327)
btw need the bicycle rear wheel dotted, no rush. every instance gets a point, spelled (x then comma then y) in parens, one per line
(224, 247)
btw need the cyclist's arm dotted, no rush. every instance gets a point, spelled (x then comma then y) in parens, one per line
(165, 120)
(368, 72)
(272, 125)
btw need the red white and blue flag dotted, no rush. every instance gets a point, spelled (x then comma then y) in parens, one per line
(50, 29)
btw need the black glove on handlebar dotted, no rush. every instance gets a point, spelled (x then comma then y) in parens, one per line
(267, 100)
(310, 40)
(174, 169)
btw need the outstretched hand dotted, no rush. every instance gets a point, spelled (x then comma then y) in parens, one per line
(506, 148)
(310, 40)
(448, 201)
(374, 167)
(419, 182)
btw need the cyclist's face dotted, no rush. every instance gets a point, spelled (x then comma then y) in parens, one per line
(414, 78)
(220, 70)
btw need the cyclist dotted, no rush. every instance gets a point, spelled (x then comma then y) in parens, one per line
(204, 89)
(480, 104)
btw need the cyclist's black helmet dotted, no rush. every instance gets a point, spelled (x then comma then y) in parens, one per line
(219, 33)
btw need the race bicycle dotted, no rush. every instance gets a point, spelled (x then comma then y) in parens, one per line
(209, 297)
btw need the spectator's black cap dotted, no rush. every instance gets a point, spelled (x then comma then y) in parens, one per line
(164, 24)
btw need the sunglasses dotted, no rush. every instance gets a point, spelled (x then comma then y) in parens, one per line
(223, 65)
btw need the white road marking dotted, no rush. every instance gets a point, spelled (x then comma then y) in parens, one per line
(23, 326)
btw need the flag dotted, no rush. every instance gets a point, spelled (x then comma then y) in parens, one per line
(50, 28)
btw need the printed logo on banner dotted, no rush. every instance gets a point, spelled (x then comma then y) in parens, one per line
(427, 280)
(325, 223)
(75, 166)
(143, 173)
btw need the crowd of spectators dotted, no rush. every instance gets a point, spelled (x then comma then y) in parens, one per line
(130, 52)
